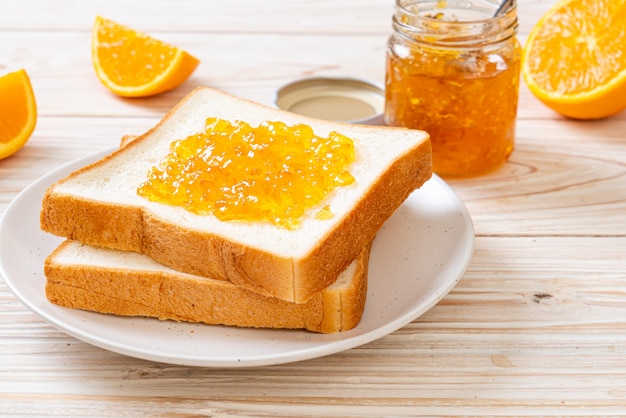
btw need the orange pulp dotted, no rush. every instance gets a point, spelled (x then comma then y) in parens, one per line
(272, 172)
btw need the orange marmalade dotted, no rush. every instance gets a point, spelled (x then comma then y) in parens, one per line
(453, 71)
(234, 171)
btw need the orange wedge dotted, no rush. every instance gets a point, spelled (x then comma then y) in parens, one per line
(133, 64)
(574, 59)
(18, 112)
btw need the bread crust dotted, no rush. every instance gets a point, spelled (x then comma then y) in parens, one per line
(340, 247)
(211, 255)
(181, 297)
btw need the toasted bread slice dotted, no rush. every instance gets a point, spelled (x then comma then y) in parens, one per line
(99, 204)
(130, 284)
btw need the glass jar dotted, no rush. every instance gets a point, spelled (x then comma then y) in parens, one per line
(453, 70)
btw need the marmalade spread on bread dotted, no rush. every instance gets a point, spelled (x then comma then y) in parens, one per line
(234, 171)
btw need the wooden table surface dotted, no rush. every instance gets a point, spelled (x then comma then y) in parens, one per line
(536, 325)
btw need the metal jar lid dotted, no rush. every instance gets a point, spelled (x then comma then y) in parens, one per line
(338, 99)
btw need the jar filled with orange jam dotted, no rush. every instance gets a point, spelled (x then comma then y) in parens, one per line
(453, 69)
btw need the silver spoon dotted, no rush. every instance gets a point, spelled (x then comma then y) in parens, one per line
(504, 6)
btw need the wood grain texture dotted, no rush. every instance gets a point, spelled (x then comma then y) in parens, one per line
(535, 327)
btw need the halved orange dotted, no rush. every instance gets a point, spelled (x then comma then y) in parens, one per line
(574, 59)
(18, 112)
(133, 64)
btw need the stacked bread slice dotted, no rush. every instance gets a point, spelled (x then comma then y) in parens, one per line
(127, 255)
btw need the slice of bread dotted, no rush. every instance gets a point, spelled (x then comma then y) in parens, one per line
(130, 284)
(99, 204)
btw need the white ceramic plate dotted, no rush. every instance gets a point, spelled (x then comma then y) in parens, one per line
(417, 258)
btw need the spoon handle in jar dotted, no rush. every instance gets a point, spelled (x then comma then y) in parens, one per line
(503, 7)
